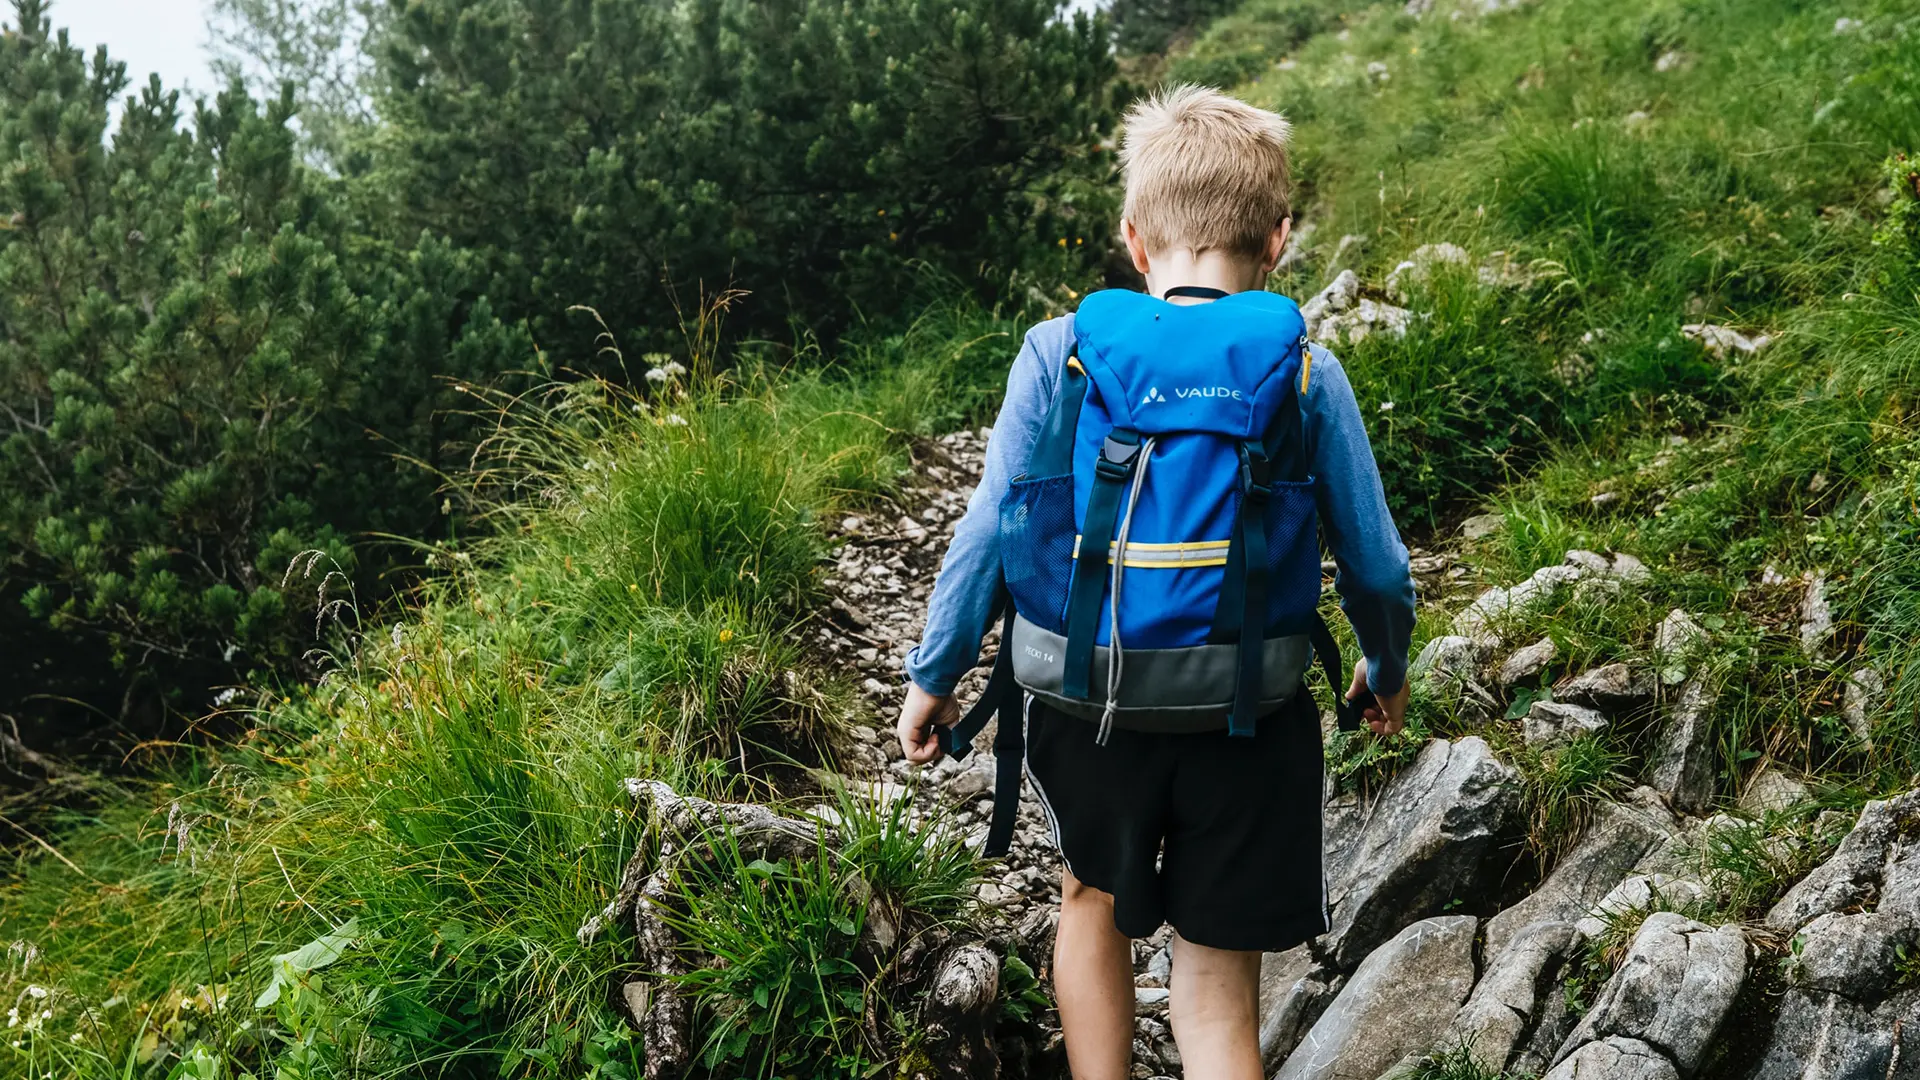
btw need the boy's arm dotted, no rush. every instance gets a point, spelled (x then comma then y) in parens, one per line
(962, 603)
(1374, 582)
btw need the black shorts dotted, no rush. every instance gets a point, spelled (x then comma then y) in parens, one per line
(1219, 836)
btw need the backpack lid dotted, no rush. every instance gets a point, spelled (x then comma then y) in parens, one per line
(1222, 367)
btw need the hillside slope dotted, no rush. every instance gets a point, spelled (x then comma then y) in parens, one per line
(1630, 288)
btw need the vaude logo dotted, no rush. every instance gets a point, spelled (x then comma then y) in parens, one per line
(1154, 396)
(1038, 654)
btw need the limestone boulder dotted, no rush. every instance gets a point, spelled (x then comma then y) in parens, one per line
(1683, 759)
(1526, 665)
(1620, 836)
(1436, 836)
(1641, 893)
(1610, 687)
(1450, 657)
(1397, 1004)
(1615, 1058)
(1520, 991)
(1554, 723)
(1295, 989)
(1827, 1036)
(1849, 1011)
(1773, 788)
(1883, 844)
(1673, 991)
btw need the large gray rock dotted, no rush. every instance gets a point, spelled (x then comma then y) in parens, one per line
(1620, 835)
(1446, 658)
(1610, 687)
(1520, 989)
(1847, 1013)
(1825, 1036)
(1677, 638)
(1885, 842)
(1524, 667)
(1397, 1004)
(1772, 788)
(1481, 619)
(1672, 992)
(1615, 1059)
(1437, 830)
(1640, 893)
(1552, 723)
(1683, 762)
(1295, 989)
(1857, 955)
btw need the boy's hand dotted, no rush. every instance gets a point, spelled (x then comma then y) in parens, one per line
(1389, 713)
(922, 711)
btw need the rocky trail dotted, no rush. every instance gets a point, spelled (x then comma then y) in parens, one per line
(1430, 948)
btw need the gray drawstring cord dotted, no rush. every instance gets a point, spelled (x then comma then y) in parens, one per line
(1116, 658)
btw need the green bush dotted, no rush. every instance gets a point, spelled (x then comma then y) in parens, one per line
(806, 151)
(1149, 26)
(437, 816)
(203, 375)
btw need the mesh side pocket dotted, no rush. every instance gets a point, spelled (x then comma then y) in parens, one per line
(1293, 555)
(1036, 548)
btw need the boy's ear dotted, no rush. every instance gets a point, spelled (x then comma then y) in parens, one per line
(1276, 243)
(1136, 248)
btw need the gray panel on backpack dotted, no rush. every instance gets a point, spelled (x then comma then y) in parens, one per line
(1188, 689)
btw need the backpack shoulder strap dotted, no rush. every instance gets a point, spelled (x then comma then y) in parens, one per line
(1053, 450)
(1002, 697)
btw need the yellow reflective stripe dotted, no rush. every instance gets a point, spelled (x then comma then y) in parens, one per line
(1169, 556)
(1306, 366)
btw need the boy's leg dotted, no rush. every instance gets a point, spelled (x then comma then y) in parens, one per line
(1214, 1011)
(1093, 981)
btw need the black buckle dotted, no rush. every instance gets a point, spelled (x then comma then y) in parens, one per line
(1116, 458)
(1255, 490)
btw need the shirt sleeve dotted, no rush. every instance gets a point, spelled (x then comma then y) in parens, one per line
(962, 603)
(1373, 578)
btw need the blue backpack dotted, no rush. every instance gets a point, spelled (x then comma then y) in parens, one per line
(1166, 506)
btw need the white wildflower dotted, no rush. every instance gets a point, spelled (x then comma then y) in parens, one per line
(658, 376)
(674, 368)
(74, 1038)
(37, 992)
(46, 1014)
(1386, 406)
(225, 696)
(676, 420)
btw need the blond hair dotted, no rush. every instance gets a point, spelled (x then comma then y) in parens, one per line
(1205, 171)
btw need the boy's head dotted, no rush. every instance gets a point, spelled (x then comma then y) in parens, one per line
(1205, 173)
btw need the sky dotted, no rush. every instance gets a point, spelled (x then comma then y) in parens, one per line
(167, 36)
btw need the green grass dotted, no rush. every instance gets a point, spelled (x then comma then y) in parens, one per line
(442, 812)
(1755, 183)
(1455, 1063)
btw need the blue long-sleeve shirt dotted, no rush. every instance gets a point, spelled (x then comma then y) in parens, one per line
(1375, 587)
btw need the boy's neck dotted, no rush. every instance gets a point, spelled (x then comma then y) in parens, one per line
(1213, 269)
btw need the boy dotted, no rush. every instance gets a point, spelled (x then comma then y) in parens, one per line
(1216, 834)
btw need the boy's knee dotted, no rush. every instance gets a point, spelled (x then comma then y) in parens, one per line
(1077, 893)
